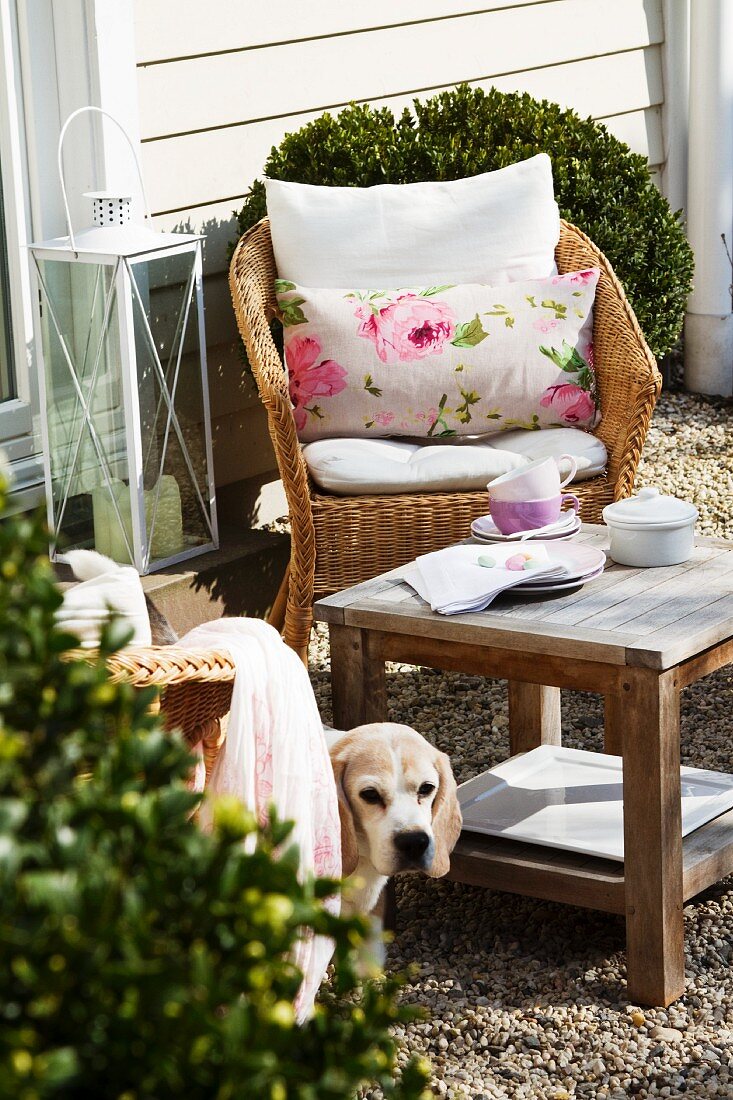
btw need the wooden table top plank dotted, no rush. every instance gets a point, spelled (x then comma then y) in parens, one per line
(651, 617)
(400, 592)
(599, 600)
(671, 601)
(484, 629)
(652, 590)
(566, 606)
(670, 645)
(331, 608)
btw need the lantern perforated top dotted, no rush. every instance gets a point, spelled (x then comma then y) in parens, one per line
(110, 209)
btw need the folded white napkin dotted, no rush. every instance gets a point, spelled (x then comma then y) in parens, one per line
(106, 589)
(452, 581)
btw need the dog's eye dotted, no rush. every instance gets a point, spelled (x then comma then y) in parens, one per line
(371, 795)
(425, 789)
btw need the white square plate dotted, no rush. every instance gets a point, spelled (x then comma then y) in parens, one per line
(573, 799)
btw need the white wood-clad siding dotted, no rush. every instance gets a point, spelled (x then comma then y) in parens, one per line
(190, 169)
(243, 85)
(221, 82)
(230, 25)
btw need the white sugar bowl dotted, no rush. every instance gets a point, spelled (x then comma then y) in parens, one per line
(650, 529)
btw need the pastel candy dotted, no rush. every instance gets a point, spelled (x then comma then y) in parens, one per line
(486, 561)
(532, 564)
(516, 561)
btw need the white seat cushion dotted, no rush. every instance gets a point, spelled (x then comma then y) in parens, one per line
(357, 467)
(587, 450)
(497, 227)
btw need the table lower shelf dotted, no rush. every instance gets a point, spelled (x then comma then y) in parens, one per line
(555, 875)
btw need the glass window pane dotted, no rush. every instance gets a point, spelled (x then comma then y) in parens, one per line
(7, 379)
(85, 413)
(175, 470)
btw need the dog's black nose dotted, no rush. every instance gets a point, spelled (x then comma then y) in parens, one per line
(412, 844)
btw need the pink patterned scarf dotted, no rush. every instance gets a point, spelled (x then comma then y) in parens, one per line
(275, 753)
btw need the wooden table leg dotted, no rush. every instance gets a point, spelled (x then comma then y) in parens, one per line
(534, 716)
(357, 678)
(650, 712)
(614, 724)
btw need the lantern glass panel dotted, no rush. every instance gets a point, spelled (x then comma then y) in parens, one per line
(84, 401)
(172, 409)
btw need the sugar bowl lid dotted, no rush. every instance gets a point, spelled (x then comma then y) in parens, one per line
(649, 508)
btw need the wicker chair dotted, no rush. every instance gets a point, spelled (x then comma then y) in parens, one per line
(340, 541)
(196, 689)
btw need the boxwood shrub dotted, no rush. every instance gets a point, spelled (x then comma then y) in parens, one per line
(601, 186)
(141, 958)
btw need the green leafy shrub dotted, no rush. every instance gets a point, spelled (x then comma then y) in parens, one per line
(139, 957)
(600, 185)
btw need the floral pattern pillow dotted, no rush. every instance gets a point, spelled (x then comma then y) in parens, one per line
(441, 361)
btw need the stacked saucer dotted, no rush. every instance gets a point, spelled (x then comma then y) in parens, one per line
(580, 563)
(485, 530)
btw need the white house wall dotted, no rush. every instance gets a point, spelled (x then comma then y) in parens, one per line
(220, 83)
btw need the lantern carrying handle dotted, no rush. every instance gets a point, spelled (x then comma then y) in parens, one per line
(128, 139)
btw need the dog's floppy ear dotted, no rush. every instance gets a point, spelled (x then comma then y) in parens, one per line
(447, 818)
(349, 846)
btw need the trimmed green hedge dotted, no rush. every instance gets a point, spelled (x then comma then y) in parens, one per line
(601, 186)
(142, 958)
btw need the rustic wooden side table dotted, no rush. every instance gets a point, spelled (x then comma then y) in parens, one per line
(638, 636)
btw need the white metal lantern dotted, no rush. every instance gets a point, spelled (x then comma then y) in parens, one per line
(124, 392)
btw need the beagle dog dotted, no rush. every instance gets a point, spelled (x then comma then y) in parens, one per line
(398, 807)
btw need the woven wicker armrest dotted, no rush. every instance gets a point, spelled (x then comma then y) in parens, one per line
(195, 688)
(629, 381)
(252, 276)
(163, 666)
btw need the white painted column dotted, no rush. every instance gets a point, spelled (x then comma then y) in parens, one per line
(676, 75)
(709, 320)
(114, 88)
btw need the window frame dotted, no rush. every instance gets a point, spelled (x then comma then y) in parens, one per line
(18, 414)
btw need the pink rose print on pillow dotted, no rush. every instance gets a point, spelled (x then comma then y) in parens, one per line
(571, 404)
(545, 324)
(384, 419)
(410, 328)
(578, 278)
(308, 381)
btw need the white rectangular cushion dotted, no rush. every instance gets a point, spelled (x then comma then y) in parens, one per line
(360, 467)
(494, 228)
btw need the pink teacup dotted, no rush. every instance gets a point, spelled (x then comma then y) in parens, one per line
(538, 480)
(513, 516)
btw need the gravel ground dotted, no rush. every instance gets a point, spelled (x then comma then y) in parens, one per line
(527, 998)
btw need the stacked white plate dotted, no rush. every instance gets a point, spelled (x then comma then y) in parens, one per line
(485, 530)
(581, 563)
(573, 799)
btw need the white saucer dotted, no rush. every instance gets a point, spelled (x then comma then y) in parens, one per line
(485, 530)
(582, 563)
(529, 588)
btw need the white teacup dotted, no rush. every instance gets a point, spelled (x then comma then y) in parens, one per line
(537, 481)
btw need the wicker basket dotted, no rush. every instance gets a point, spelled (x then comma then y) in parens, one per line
(196, 689)
(340, 541)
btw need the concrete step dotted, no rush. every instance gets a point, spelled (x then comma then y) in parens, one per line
(241, 578)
